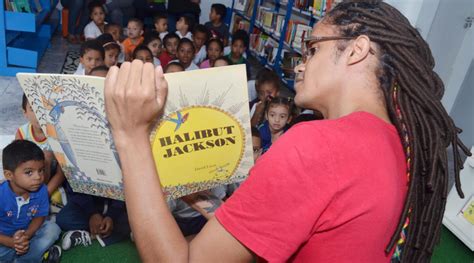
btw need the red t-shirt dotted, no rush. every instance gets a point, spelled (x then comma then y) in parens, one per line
(165, 58)
(326, 191)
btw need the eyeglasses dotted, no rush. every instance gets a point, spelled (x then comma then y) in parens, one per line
(307, 51)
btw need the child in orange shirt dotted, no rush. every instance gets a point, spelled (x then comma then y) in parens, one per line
(135, 38)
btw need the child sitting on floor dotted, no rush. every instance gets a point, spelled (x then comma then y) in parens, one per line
(153, 42)
(111, 49)
(143, 53)
(185, 54)
(278, 114)
(31, 131)
(173, 67)
(100, 71)
(200, 37)
(160, 22)
(135, 38)
(184, 26)
(221, 62)
(214, 51)
(91, 55)
(96, 27)
(239, 45)
(171, 45)
(216, 23)
(267, 86)
(25, 234)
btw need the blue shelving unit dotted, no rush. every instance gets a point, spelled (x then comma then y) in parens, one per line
(290, 11)
(24, 37)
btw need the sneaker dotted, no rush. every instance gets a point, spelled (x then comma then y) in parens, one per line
(53, 255)
(75, 238)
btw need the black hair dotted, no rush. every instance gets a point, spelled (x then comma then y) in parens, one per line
(107, 42)
(100, 68)
(159, 16)
(110, 25)
(225, 58)
(220, 10)
(140, 48)
(189, 20)
(95, 4)
(20, 151)
(168, 36)
(151, 36)
(202, 29)
(255, 132)
(306, 117)
(241, 35)
(175, 63)
(24, 102)
(184, 41)
(266, 75)
(412, 93)
(215, 40)
(138, 21)
(92, 45)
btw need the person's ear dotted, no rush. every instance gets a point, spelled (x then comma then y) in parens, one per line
(359, 50)
(289, 119)
(8, 174)
(141, 32)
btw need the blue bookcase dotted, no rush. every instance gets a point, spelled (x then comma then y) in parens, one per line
(24, 37)
(288, 9)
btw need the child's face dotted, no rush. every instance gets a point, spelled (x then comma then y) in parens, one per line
(185, 54)
(91, 59)
(31, 117)
(238, 48)
(161, 25)
(220, 63)
(155, 47)
(134, 30)
(111, 57)
(278, 117)
(257, 147)
(181, 25)
(98, 15)
(267, 90)
(27, 177)
(214, 51)
(171, 46)
(174, 68)
(213, 16)
(144, 56)
(115, 31)
(199, 39)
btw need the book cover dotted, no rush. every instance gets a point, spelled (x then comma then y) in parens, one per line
(203, 139)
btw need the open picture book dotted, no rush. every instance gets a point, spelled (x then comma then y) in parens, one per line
(203, 139)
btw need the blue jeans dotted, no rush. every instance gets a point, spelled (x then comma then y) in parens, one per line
(77, 9)
(43, 239)
(71, 217)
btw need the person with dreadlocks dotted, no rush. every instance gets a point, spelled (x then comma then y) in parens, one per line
(349, 188)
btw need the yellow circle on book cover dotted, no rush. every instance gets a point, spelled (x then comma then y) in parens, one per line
(197, 144)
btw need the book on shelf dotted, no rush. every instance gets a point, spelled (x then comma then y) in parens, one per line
(201, 141)
(240, 5)
(240, 24)
(23, 6)
(248, 11)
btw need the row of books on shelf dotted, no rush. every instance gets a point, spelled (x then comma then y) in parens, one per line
(317, 7)
(270, 18)
(24, 6)
(296, 33)
(246, 6)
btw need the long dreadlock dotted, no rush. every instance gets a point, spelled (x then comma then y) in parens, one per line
(412, 92)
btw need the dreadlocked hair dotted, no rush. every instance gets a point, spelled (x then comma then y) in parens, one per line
(412, 92)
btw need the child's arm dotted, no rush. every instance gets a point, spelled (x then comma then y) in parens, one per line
(55, 181)
(6, 241)
(34, 226)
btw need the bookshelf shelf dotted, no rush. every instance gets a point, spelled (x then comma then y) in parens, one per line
(280, 41)
(24, 37)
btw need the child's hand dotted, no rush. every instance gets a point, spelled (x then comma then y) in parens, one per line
(21, 243)
(135, 97)
(106, 227)
(94, 224)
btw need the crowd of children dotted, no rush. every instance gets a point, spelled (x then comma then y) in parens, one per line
(34, 179)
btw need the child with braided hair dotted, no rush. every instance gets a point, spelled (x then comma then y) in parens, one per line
(345, 189)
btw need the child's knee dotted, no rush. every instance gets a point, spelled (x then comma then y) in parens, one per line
(50, 231)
